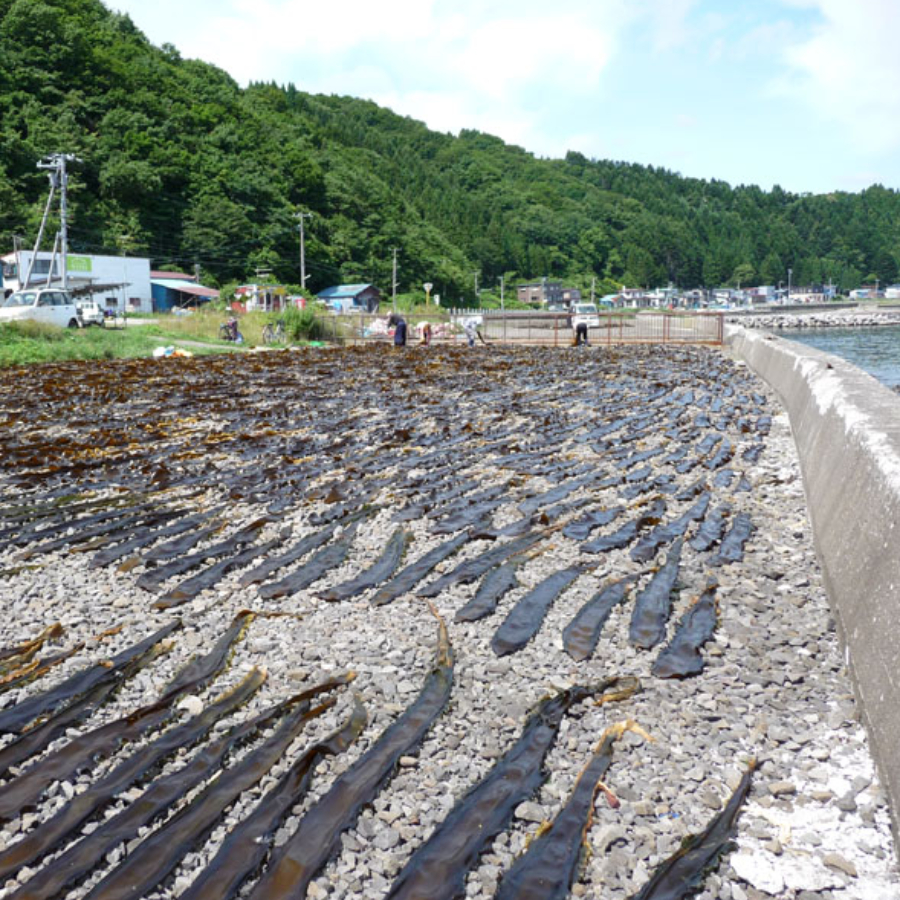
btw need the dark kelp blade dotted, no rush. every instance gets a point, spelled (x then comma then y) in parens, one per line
(525, 618)
(49, 834)
(21, 653)
(297, 862)
(437, 870)
(580, 636)
(682, 657)
(31, 671)
(157, 855)
(710, 530)
(16, 718)
(382, 569)
(548, 868)
(406, 580)
(496, 584)
(732, 547)
(82, 751)
(682, 873)
(245, 848)
(298, 551)
(157, 800)
(647, 546)
(653, 605)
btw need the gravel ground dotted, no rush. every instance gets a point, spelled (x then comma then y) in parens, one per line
(296, 437)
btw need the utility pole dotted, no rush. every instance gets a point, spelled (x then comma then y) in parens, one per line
(593, 289)
(476, 288)
(301, 216)
(394, 250)
(501, 293)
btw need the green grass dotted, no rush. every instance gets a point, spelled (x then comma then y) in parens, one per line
(25, 343)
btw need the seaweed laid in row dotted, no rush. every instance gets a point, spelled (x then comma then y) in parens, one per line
(497, 583)
(293, 865)
(681, 658)
(732, 547)
(298, 551)
(646, 548)
(580, 636)
(711, 528)
(629, 531)
(549, 866)
(382, 569)
(438, 868)
(653, 604)
(408, 578)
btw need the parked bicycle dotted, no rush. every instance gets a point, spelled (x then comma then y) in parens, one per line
(273, 332)
(229, 331)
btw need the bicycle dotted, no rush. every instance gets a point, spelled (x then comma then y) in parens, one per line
(228, 331)
(273, 333)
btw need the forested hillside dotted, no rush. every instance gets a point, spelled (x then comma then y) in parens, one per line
(181, 164)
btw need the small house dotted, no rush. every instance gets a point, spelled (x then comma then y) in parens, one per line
(351, 298)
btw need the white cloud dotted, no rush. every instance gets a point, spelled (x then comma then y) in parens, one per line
(848, 71)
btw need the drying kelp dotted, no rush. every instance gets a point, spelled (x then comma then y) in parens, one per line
(296, 863)
(153, 578)
(549, 866)
(12, 658)
(438, 868)
(682, 657)
(496, 584)
(47, 836)
(580, 636)
(23, 790)
(732, 547)
(580, 529)
(525, 618)
(324, 561)
(304, 546)
(244, 849)
(629, 531)
(80, 859)
(15, 720)
(406, 580)
(647, 547)
(33, 670)
(711, 528)
(181, 544)
(158, 854)
(189, 589)
(653, 604)
(471, 569)
(683, 872)
(382, 569)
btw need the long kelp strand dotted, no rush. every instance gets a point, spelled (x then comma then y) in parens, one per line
(21, 653)
(653, 604)
(682, 657)
(437, 870)
(16, 718)
(407, 579)
(47, 836)
(496, 584)
(298, 551)
(682, 872)
(580, 636)
(296, 863)
(382, 569)
(155, 857)
(549, 866)
(243, 851)
(158, 799)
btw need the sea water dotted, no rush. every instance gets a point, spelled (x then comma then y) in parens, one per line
(875, 350)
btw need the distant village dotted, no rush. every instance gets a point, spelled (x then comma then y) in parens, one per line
(127, 283)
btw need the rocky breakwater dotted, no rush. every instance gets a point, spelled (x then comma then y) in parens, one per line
(322, 623)
(798, 321)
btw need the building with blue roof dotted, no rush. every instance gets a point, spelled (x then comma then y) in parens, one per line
(351, 297)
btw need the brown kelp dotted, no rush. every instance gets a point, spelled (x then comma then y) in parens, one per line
(580, 636)
(580, 529)
(382, 569)
(711, 528)
(297, 862)
(549, 866)
(81, 858)
(157, 855)
(682, 873)
(12, 658)
(15, 719)
(244, 849)
(33, 670)
(681, 657)
(437, 869)
(23, 790)
(629, 531)
(48, 835)
(646, 548)
(732, 547)
(311, 571)
(653, 604)
(298, 551)
(496, 584)
(408, 578)
(524, 620)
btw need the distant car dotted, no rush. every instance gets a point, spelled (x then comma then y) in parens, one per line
(90, 312)
(50, 305)
(585, 314)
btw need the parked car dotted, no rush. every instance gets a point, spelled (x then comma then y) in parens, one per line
(585, 314)
(50, 305)
(90, 312)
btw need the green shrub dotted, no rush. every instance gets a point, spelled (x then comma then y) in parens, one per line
(303, 325)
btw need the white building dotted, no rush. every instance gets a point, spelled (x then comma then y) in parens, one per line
(122, 282)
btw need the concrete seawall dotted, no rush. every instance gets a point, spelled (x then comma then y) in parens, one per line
(847, 429)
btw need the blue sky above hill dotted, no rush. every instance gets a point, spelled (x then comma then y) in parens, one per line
(800, 93)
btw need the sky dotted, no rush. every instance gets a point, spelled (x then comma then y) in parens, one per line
(804, 94)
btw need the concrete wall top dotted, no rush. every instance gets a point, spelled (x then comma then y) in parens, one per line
(846, 426)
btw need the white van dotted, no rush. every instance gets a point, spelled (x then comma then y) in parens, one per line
(585, 314)
(50, 305)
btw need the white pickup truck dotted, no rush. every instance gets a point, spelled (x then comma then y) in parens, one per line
(585, 314)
